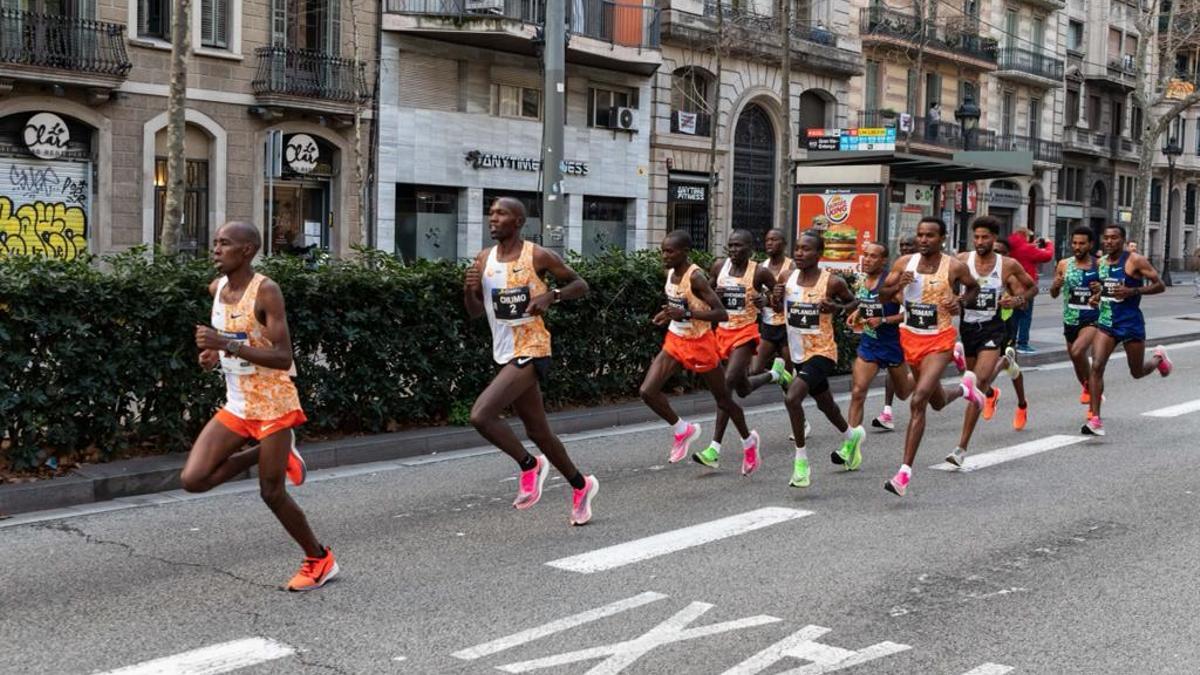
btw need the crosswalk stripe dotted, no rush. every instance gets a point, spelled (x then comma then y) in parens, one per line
(986, 459)
(638, 550)
(990, 669)
(211, 660)
(1175, 410)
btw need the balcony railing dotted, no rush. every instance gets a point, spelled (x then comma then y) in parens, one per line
(960, 36)
(702, 127)
(1033, 63)
(309, 73)
(942, 133)
(768, 25)
(620, 23)
(62, 42)
(1043, 151)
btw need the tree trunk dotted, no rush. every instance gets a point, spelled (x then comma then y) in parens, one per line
(181, 49)
(920, 6)
(360, 95)
(714, 126)
(785, 155)
(1141, 185)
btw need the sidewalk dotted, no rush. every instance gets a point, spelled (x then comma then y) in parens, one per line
(1172, 317)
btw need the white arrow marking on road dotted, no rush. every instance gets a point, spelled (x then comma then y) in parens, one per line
(558, 626)
(990, 669)
(986, 459)
(1175, 410)
(822, 658)
(211, 660)
(676, 540)
(620, 655)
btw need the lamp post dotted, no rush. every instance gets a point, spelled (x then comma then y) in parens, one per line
(1171, 150)
(967, 115)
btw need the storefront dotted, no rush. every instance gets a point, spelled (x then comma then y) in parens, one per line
(1004, 201)
(299, 208)
(687, 206)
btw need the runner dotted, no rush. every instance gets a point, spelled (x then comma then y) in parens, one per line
(1118, 294)
(506, 283)
(878, 347)
(741, 284)
(1076, 275)
(885, 421)
(926, 281)
(811, 296)
(773, 326)
(1011, 330)
(249, 340)
(692, 306)
(1003, 284)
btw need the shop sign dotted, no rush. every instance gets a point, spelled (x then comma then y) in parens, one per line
(688, 192)
(301, 153)
(1005, 198)
(851, 140)
(490, 160)
(1124, 216)
(919, 195)
(46, 136)
(853, 218)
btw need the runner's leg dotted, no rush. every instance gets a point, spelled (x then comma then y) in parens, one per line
(508, 385)
(1135, 353)
(794, 401)
(532, 411)
(986, 364)
(862, 374)
(215, 458)
(715, 379)
(901, 382)
(928, 392)
(833, 413)
(735, 380)
(661, 370)
(272, 469)
(1103, 345)
(1079, 354)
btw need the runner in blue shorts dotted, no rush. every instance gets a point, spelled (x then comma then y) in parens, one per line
(878, 325)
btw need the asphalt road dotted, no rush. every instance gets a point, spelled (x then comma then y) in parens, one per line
(1082, 558)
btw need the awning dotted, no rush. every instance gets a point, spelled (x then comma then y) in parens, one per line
(964, 166)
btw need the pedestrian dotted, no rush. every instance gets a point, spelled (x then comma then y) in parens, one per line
(932, 119)
(1030, 253)
(1196, 279)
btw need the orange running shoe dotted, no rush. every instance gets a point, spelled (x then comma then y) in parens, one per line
(1019, 416)
(989, 404)
(314, 573)
(1084, 397)
(297, 470)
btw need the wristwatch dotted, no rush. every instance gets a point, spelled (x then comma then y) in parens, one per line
(232, 347)
(557, 296)
(687, 315)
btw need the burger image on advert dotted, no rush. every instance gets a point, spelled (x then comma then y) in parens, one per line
(841, 242)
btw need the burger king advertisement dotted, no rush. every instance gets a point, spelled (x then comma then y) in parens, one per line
(849, 219)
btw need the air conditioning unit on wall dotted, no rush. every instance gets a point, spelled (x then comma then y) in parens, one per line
(621, 118)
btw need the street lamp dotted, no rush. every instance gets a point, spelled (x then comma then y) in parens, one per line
(967, 115)
(1171, 150)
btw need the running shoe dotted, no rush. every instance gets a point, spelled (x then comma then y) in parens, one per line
(1020, 416)
(1013, 368)
(850, 455)
(989, 405)
(682, 442)
(581, 501)
(1085, 397)
(970, 389)
(529, 486)
(297, 470)
(314, 572)
(801, 475)
(960, 357)
(898, 484)
(708, 457)
(884, 421)
(750, 455)
(782, 375)
(957, 458)
(1094, 427)
(1164, 361)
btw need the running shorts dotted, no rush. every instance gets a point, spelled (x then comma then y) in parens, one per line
(1071, 333)
(541, 364)
(816, 372)
(884, 353)
(698, 355)
(729, 339)
(260, 429)
(917, 347)
(1128, 332)
(978, 337)
(776, 335)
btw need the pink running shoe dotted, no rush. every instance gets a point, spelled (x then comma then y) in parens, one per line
(682, 442)
(581, 501)
(1164, 363)
(960, 357)
(884, 421)
(750, 455)
(971, 391)
(1094, 427)
(530, 484)
(898, 484)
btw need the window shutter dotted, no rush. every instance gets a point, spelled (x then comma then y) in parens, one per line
(206, 22)
(143, 17)
(221, 24)
(279, 23)
(333, 37)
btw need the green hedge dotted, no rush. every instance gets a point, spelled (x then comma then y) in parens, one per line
(102, 356)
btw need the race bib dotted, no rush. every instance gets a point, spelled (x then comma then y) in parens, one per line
(986, 301)
(921, 316)
(510, 304)
(733, 297)
(805, 317)
(1107, 286)
(235, 365)
(870, 309)
(1079, 298)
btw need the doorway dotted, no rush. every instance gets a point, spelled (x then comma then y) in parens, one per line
(300, 217)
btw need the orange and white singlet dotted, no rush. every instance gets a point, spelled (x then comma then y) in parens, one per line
(507, 289)
(769, 315)
(252, 392)
(810, 332)
(924, 296)
(738, 294)
(680, 295)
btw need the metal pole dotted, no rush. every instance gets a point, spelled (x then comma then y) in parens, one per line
(554, 86)
(269, 235)
(962, 228)
(1166, 271)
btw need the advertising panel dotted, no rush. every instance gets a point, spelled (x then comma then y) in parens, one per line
(852, 216)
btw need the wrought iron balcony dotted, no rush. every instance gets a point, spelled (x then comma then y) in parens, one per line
(308, 78)
(703, 125)
(1049, 152)
(1018, 63)
(62, 49)
(941, 133)
(958, 37)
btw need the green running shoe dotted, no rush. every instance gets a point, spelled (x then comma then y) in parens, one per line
(800, 474)
(853, 446)
(708, 457)
(780, 369)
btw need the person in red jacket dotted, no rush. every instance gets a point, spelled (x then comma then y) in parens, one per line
(1030, 254)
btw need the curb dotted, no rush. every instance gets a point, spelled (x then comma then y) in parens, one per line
(92, 483)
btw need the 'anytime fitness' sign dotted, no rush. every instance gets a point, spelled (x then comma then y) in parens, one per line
(489, 160)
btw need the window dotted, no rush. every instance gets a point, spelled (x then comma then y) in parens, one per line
(1075, 36)
(1135, 124)
(193, 235)
(1125, 191)
(1116, 122)
(154, 19)
(967, 90)
(601, 101)
(1070, 184)
(1008, 109)
(1010, 28)
(1093, 112)
(1039, 31)
(1114, 45)
(1072, 111)
(518, 102)
(913, 90)
(933, 89)
(1189, 206)
(1156, 200)
(1035, 118)
(214, 23)
(871, 87)
(690, 103)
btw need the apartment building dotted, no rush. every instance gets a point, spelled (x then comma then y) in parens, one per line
(1180, 204)
(83, 119)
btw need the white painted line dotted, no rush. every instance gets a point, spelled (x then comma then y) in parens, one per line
(990, 669)
(566, 623)
(222, 658)
(676, 540)
(1175, 410)
(993, 457)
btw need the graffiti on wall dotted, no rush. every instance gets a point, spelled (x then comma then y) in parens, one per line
(44, 208)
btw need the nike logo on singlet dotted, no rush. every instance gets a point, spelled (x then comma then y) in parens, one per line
(523, 360)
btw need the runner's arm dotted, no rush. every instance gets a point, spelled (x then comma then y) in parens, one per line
(571, 285)
(1147, 272)
(838, 296)
(970, 287)
(1028, 285)
(764, 282)
(269, 310)
(1060, 277)
(714, 272)
(209, 358)
(473, 287)
(898, 277)
(703, 290)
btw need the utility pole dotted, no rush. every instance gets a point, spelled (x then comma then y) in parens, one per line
(554, 86)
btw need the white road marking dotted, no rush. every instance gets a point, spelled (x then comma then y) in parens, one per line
(620, 655)
(993, 457)
(990, 669)
(822, 658)
(220, 658)
(1175, 410)
(638, 550)
(558, 626)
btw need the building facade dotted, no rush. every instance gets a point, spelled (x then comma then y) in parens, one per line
(83, 119)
